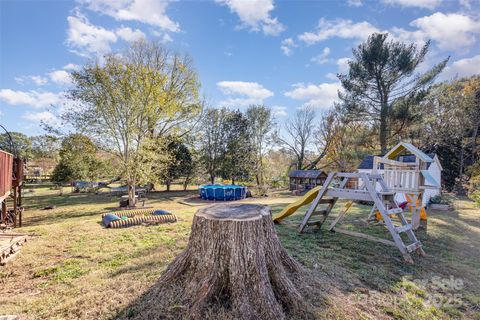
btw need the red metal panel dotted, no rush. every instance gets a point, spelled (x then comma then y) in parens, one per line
(6, 167)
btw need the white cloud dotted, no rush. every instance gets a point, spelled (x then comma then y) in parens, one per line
(340, 28)
(239, 102)
(255, 15)
(331, 76)
(342, 64)
(323, 57)
(287, 45)
(451, 31)
(37, 80)
(151, 12)
(130, 35)
(86, 39)
(355, 3)
(36, 99)
(249, 92)
(427, 4)
(250, 89)
(166, 38)
(279, 111)
(60, 77)
(43, 116)
(71, 67)
(462, 68)
(343, 68)
(319, 96)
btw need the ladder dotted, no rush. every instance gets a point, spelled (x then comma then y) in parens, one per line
(383, 201)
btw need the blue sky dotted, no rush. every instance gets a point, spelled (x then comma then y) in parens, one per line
(284, 54)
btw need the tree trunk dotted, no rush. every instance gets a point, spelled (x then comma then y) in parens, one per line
(131, 194)
(300, 163)
(167, 183)
(383, 128)
(460, 190)
(234, 267)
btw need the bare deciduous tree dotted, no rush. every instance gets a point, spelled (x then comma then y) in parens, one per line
(299, 131)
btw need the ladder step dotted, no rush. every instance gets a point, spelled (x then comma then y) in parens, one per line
(314, 223)
(395, 211)
(414, 246)
(404, 228)
(386, 193)
(319, 213)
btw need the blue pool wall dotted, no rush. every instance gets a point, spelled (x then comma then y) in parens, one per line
(222, 192)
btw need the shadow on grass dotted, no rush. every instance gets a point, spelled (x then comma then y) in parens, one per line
(162, 195)
(86, 204)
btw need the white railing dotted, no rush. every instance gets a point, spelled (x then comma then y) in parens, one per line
(401, 180)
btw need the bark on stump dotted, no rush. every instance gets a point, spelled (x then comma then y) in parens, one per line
(235, 262)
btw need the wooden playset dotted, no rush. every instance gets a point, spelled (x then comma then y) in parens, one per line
(390, 177)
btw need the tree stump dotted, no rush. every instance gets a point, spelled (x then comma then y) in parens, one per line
(234, 264)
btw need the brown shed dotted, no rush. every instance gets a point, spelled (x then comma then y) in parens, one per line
(306, 179)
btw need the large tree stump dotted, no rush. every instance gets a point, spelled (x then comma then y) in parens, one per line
(234, 264)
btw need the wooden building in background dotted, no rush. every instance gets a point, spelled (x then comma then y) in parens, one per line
(306, 179)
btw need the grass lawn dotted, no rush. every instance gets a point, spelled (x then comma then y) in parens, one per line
(76, 269)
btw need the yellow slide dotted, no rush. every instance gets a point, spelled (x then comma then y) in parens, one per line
(291, 208)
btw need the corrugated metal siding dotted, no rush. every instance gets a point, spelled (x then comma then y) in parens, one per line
(6, 167)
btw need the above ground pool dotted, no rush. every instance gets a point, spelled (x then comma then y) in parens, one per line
(222, 192)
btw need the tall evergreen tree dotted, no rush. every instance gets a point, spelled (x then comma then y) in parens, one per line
(382, 86)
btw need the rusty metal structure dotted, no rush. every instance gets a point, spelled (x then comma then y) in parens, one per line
(11, 182)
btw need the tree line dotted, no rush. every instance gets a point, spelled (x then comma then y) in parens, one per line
(143, 108)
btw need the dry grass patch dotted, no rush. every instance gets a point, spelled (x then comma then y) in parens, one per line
(76, 269)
